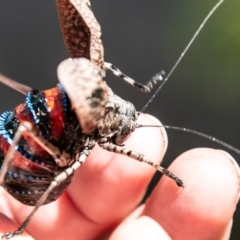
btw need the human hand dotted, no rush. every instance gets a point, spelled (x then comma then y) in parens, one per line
(107, 188)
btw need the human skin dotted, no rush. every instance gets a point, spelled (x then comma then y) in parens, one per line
(105, 191)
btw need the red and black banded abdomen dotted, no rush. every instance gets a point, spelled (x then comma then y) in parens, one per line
(32, 169)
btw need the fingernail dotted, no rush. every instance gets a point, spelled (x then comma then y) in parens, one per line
(156, 122)
(227, 233)
(154, 229)
(140, 229)
(236, 167)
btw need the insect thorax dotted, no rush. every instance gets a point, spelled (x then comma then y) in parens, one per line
(119, 120)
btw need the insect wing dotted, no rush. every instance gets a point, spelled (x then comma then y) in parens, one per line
(87, 91)
(81, 31)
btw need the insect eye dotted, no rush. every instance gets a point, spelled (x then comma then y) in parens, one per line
(109, 109)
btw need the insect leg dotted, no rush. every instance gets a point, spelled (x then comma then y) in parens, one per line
(140, 157)
(144, 88)
(16, 85)
(56, 181)
(61, 158)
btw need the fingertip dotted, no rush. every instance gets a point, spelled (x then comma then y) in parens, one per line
(157, 134)
(139, 229)
(208, 199)
(236, 171)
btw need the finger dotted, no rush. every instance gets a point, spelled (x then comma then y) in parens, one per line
(141, 228)
(103, 191)
(113, 185)
(204, 208)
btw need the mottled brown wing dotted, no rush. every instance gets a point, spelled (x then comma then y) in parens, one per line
(87, 91)
(81, 31)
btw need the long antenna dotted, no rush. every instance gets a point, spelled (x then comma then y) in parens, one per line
(203, 135)
(183, 53)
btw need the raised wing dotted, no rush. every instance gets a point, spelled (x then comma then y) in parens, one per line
(81, 31)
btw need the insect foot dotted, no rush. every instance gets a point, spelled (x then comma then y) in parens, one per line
(9, 235)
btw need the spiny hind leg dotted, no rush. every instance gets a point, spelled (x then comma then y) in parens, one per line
(144, 88)
(61, 177)
(140, 157)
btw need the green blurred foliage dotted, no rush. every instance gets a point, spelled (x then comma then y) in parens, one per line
(215, 55)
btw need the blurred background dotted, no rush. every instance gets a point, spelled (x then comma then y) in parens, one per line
(141, 38)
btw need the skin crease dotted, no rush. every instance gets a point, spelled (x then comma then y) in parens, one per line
(107, 188)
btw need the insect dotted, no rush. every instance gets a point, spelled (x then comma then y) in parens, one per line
(42, 142)
(72, 152)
